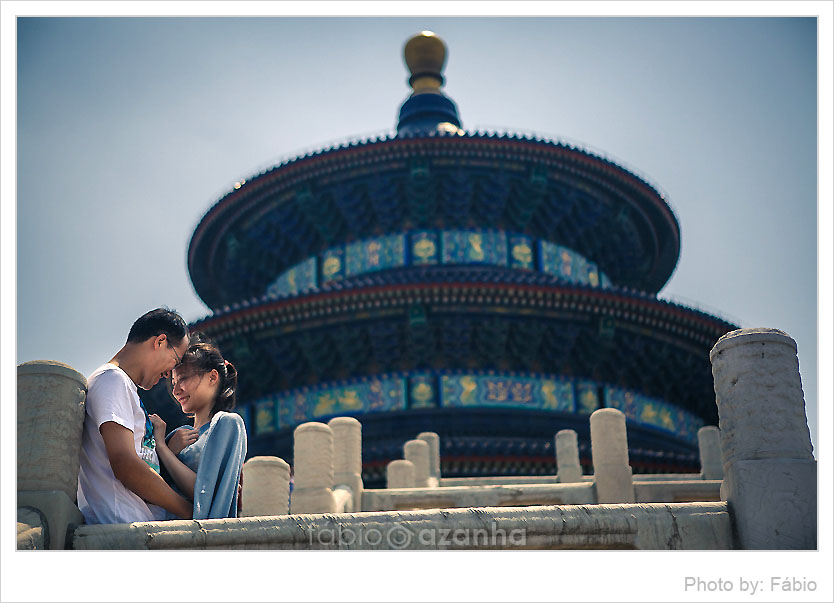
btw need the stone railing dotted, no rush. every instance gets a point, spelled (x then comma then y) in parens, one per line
(691, 526)
(763, 448)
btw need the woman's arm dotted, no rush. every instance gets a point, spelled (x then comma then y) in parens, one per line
(183, 476)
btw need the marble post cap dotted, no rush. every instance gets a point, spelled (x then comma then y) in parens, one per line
(343, 421)
(312, 426)
(748, 336)
(267, 460)
(50, 367)
(607, 412)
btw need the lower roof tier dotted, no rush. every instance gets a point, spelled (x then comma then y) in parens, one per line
(622, 339)
(542, 189)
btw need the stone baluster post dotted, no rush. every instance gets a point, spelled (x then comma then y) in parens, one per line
(709, 447)
(50, 420)
(400, 474)
(417, 451)
(770, 475)
(433, 440)
(568, 468)
(313, 458)
(347, 448)
(609, 451)
(266, 487)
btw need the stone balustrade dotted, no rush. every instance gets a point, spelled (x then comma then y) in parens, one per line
(762, 451)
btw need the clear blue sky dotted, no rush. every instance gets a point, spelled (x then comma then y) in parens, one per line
(130, 129)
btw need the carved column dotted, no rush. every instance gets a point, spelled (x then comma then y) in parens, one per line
(568, 468)
(609, 449)
(266, 487)
(313, 458)
(50, 419)
(417, 451)
(770, 475)
(709, 447)
(433, 440)
(400, 474)
(347, 448)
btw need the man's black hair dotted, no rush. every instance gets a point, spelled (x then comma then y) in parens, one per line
(161, 321)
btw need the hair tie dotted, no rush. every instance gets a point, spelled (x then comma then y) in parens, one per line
(225, 363)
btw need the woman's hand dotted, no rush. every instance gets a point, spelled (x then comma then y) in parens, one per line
(158, 429)
(182, 438)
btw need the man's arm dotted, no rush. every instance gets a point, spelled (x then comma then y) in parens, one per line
(135, 473)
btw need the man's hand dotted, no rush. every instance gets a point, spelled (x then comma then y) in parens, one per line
(136, 474)
(182, 438)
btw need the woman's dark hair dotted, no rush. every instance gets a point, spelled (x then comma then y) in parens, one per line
(202, 356)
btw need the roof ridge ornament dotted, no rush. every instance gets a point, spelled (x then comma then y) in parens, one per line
(427, 110)
(425, 56)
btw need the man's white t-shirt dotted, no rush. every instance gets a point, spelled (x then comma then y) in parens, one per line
(112, 396)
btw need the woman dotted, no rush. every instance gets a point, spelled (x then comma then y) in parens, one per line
(205, 461)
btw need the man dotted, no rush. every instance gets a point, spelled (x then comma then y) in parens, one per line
(119, 479)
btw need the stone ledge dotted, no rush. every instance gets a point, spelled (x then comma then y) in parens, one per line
(691, 526)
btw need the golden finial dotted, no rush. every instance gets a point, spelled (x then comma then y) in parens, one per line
(425, 56)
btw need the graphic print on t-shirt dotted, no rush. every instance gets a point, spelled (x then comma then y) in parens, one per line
(148, 450)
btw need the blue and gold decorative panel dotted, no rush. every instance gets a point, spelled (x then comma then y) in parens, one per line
(425, 248)
(332, 264)
(506, 391)
(474, 247)
(428, 247)
(422, 391)
(292, 408)
(298, 279)
(459, 390)
(587, 398)
(264, 417)
(497, 248)
(521, 252)
(557, 394)
(375, 254)
(548, 257)
(653, 412)
(385, 394)
(593, 274)
(579, 267)
(367, 395)
(335, 400)
(564, 263)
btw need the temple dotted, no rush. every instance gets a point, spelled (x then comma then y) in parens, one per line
(493, 289)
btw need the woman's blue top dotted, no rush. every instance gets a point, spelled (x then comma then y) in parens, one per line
(217, 459)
